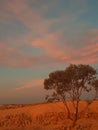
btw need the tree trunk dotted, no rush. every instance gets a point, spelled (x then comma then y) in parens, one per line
(67, 108)
(68, 111)
(76, 114)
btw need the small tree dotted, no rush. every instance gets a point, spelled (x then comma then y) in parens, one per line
(72, 82)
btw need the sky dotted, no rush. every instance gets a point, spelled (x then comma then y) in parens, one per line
(40, 36)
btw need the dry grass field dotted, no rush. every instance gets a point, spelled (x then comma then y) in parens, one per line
(46, 116)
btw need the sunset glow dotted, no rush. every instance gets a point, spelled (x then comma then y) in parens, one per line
(41, 36)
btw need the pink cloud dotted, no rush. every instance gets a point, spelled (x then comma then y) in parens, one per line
(87, 55)
(84, 60)
(14, 57)
(1, 45)
(50, 44)
(53, 52)
(90, 50)
(34, 17)
(31, 84)
(31, 17)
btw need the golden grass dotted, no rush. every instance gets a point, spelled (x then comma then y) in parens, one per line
(46, 116)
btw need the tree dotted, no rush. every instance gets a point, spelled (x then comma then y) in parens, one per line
(72, 82)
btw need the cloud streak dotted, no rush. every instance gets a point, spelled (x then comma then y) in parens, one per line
(31, 84)
(50, 43)
(14, 57)
(53, 52)
(49, 34)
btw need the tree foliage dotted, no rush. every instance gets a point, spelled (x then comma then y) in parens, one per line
(72, 82)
